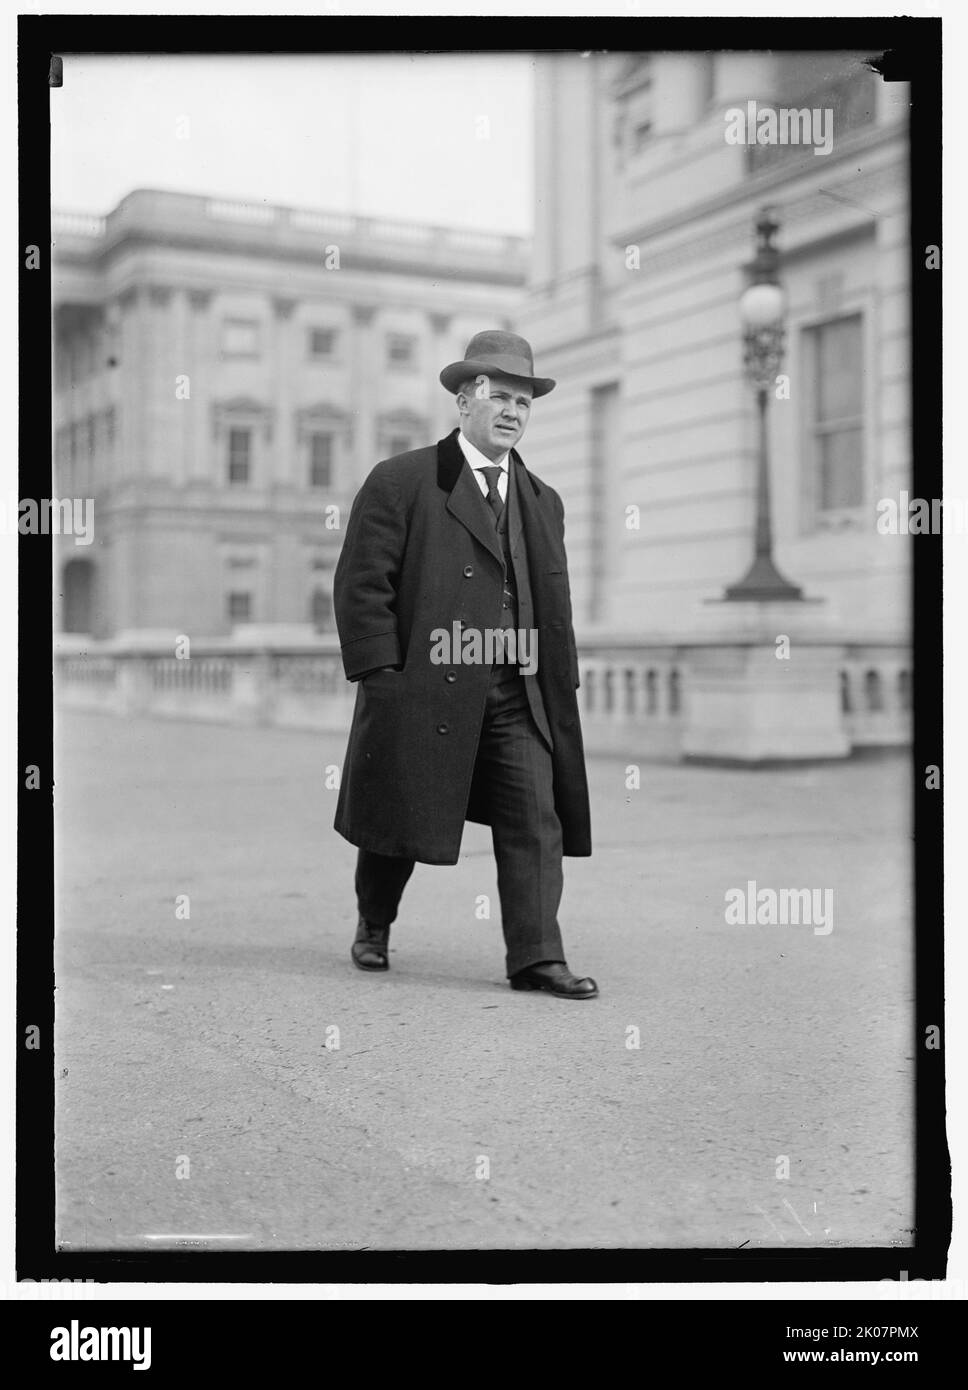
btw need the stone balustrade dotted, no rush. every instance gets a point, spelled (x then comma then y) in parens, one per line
(634, 694)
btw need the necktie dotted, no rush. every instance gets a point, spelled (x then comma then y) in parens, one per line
(491, 474)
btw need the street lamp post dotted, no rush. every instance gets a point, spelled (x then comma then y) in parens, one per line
(761, 309)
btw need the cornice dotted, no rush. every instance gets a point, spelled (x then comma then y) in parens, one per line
(764, 188)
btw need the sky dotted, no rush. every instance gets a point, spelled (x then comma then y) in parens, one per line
(416, 137)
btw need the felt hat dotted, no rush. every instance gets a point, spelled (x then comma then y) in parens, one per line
(496, 353)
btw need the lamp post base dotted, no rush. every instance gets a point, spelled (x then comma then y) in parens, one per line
(763, 583)
(762, 684)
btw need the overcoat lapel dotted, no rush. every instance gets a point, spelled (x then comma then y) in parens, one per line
(515, 517)
(536, 521)
(465, 497)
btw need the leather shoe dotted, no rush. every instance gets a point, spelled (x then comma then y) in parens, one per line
(369, 950)
(555, 977)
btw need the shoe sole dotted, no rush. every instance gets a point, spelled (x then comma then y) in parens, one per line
(371, 969)
(558, 994)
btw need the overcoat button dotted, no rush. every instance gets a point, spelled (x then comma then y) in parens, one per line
(450, 677)
(468, 571)
(443, 728)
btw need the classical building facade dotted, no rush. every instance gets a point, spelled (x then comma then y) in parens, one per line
(643, 238)
(225, 376)
(222, 389)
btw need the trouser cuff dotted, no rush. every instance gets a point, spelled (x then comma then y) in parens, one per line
(519, 959)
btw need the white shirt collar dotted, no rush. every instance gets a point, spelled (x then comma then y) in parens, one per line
(474, 456)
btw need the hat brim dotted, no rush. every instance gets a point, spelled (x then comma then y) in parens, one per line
(456, 374)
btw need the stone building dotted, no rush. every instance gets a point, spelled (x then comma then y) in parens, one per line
(214, 509)
(643, 235)
(225, 376)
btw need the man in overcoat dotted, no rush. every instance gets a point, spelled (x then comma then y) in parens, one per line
(454, 615)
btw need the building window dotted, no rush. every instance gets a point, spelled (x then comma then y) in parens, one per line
(401, 350)
(242, 426)
(320, 459)
(835, 428)
(78, 588)
(634, 106)
(904, 690)
(322, 343)
(874, 691)
(641, 134)
(239, 606)
(240, 338)
(846, 707)
(240, 455)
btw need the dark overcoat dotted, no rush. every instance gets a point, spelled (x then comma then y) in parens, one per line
(420, 554)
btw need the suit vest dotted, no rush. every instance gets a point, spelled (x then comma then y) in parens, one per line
(516, 593)
(508, 616)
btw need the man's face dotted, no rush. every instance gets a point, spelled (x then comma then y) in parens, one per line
(494, 413)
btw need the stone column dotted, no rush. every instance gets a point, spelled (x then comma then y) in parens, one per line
(286, 481)
(131, 393)
(285, 462)
(183, 361)
(199, 463)
(364, 395)
(158, 401)
(441, 417)
(544, 263)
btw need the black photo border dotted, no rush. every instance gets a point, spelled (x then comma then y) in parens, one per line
(911, 50)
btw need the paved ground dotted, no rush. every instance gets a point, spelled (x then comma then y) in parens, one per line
(455, 1113)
